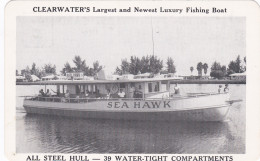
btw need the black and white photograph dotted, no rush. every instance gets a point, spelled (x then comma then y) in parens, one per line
(132, 81)
(130, 85)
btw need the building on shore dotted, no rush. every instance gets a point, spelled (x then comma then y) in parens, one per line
(143, 75)
(48, 77)
(20, 78)
(35, 78)
(75, 76)
(115, 77)
(238, 76)
(60, 77)
(191, 77)
(88, 78)
(126, 76)
(30, 78)
(169, 75)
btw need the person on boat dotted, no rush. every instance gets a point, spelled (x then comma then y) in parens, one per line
(77, 98)
(219, 88)
(48, 93)
(121, 93)
(41, 93)
(176, 89)
(226, 89)
(108, 94)
(86, 93)
(138, 93)
(98, 95)
(67, 94)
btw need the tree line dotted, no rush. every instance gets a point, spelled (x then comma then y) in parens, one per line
(234, 66)
(145, 64)
(49, 69)
(200, 67)
(219, 71)
(80, 66)
(136, 65)
(37, 71)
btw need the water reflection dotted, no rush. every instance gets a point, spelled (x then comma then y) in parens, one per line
(63, 134)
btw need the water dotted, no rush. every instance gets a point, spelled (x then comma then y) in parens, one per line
(52, 134)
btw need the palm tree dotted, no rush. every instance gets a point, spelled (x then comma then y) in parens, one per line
(199, 68)
(191, 69)
(170, 65)
(49, 69)
(96, 68)
(205, 68)
(80, 64)
(67, 69)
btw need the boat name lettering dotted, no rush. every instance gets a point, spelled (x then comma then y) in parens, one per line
(166, 104)
(139, 104)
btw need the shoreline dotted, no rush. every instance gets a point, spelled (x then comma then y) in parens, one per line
(172, 82)
(209, 82)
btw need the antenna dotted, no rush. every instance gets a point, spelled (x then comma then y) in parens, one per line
(152, 34)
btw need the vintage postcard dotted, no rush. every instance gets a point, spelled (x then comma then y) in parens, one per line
(132, 81)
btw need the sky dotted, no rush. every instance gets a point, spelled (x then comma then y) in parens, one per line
(188, 40)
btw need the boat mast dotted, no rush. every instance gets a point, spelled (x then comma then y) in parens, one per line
(152, 35)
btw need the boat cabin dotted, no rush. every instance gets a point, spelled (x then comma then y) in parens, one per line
(114, 89)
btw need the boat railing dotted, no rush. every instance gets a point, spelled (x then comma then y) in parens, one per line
(85, 99)
(81, 100)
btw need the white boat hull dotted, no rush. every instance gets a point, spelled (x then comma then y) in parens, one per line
(203, 108)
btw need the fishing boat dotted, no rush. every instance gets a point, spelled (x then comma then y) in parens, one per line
(128, 99)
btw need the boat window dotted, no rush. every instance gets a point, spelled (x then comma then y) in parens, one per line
(157, 87)
(64, 88)
(150, 87)
(82, 89)
(87, 88)
(77, 89)
(94, 88)
(122, 85)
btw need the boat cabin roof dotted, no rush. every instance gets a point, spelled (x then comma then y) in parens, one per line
(75, 82)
